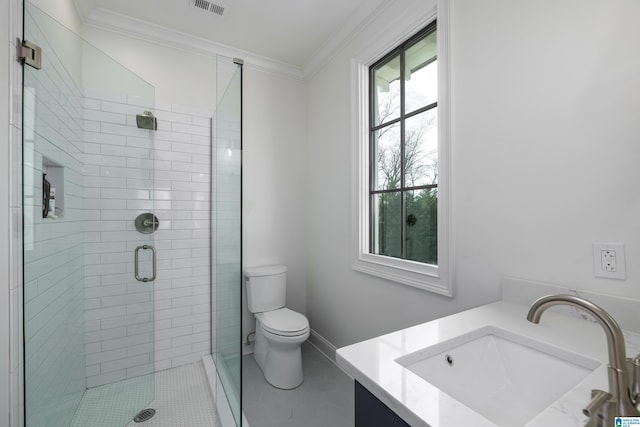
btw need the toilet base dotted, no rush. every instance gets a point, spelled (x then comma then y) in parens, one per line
(279, 358)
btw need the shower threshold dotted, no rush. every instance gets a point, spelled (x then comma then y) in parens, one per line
(222, 403)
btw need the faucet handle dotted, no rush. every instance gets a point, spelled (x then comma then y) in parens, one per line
(634, 383)
(598, 399)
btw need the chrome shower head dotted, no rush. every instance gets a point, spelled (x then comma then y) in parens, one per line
(147, 121)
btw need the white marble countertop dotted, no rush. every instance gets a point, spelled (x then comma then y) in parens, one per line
(373, 364)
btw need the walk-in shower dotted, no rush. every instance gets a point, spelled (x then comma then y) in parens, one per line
(137, 271)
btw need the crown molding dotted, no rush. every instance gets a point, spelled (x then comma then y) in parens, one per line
(111, 21)
(144, 30)
(354, 26)
(84, 8)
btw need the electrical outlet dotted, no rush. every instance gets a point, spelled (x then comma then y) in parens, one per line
(608, 260)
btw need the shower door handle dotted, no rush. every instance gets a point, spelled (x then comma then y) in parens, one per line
(153, 264)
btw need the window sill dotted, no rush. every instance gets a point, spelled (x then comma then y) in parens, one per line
(410, 273)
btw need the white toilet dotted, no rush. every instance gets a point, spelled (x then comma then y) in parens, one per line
(279, 331)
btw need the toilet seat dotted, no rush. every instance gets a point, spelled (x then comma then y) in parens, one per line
(284, 322)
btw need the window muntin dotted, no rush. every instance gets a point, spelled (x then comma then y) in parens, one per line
(403, 196)
(387, 144)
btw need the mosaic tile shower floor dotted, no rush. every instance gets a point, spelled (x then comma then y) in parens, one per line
(182, 399)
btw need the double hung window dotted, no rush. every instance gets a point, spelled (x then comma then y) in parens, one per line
(403, 152)
(401, 155)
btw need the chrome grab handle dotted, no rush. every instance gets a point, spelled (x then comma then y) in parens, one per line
(135, 263)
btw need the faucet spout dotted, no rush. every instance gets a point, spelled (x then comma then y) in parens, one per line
(620, 402)
(615, 339)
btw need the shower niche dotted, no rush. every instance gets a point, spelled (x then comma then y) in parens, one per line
(52, 189)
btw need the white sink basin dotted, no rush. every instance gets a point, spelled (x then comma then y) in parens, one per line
(505, 377)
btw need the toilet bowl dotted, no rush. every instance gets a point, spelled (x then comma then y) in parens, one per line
(280, 331)
(277, 350)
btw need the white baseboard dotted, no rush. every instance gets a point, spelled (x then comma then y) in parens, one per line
(325, 347)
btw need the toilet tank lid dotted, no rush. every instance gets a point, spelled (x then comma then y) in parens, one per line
(265, 270)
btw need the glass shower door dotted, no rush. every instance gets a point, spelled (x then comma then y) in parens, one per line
(87, 176)
(227, 238)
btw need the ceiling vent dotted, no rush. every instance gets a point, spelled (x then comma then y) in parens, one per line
(208, 6)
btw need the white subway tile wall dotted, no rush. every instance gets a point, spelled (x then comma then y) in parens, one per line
(53, 247)
(133, 328)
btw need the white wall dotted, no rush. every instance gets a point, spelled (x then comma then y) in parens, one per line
(63, 11)
(274, 193)
(69, 44)
(551, 123)
(545, 144)
(178, 77)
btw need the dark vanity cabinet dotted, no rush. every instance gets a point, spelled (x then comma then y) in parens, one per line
(371, 412)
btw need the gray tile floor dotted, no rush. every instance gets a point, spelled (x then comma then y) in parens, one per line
(324, 399)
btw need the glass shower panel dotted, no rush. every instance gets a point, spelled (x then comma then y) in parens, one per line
(87, 174)
(227, 237)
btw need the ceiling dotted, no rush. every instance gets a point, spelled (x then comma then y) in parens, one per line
(288, 31)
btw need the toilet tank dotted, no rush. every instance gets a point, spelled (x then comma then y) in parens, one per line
(266, 287)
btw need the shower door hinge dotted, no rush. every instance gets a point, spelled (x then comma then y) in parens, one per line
(29, 53)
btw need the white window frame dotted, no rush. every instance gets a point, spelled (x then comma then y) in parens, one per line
(431, 278)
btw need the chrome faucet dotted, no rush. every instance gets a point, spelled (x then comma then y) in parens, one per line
(622, 399)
